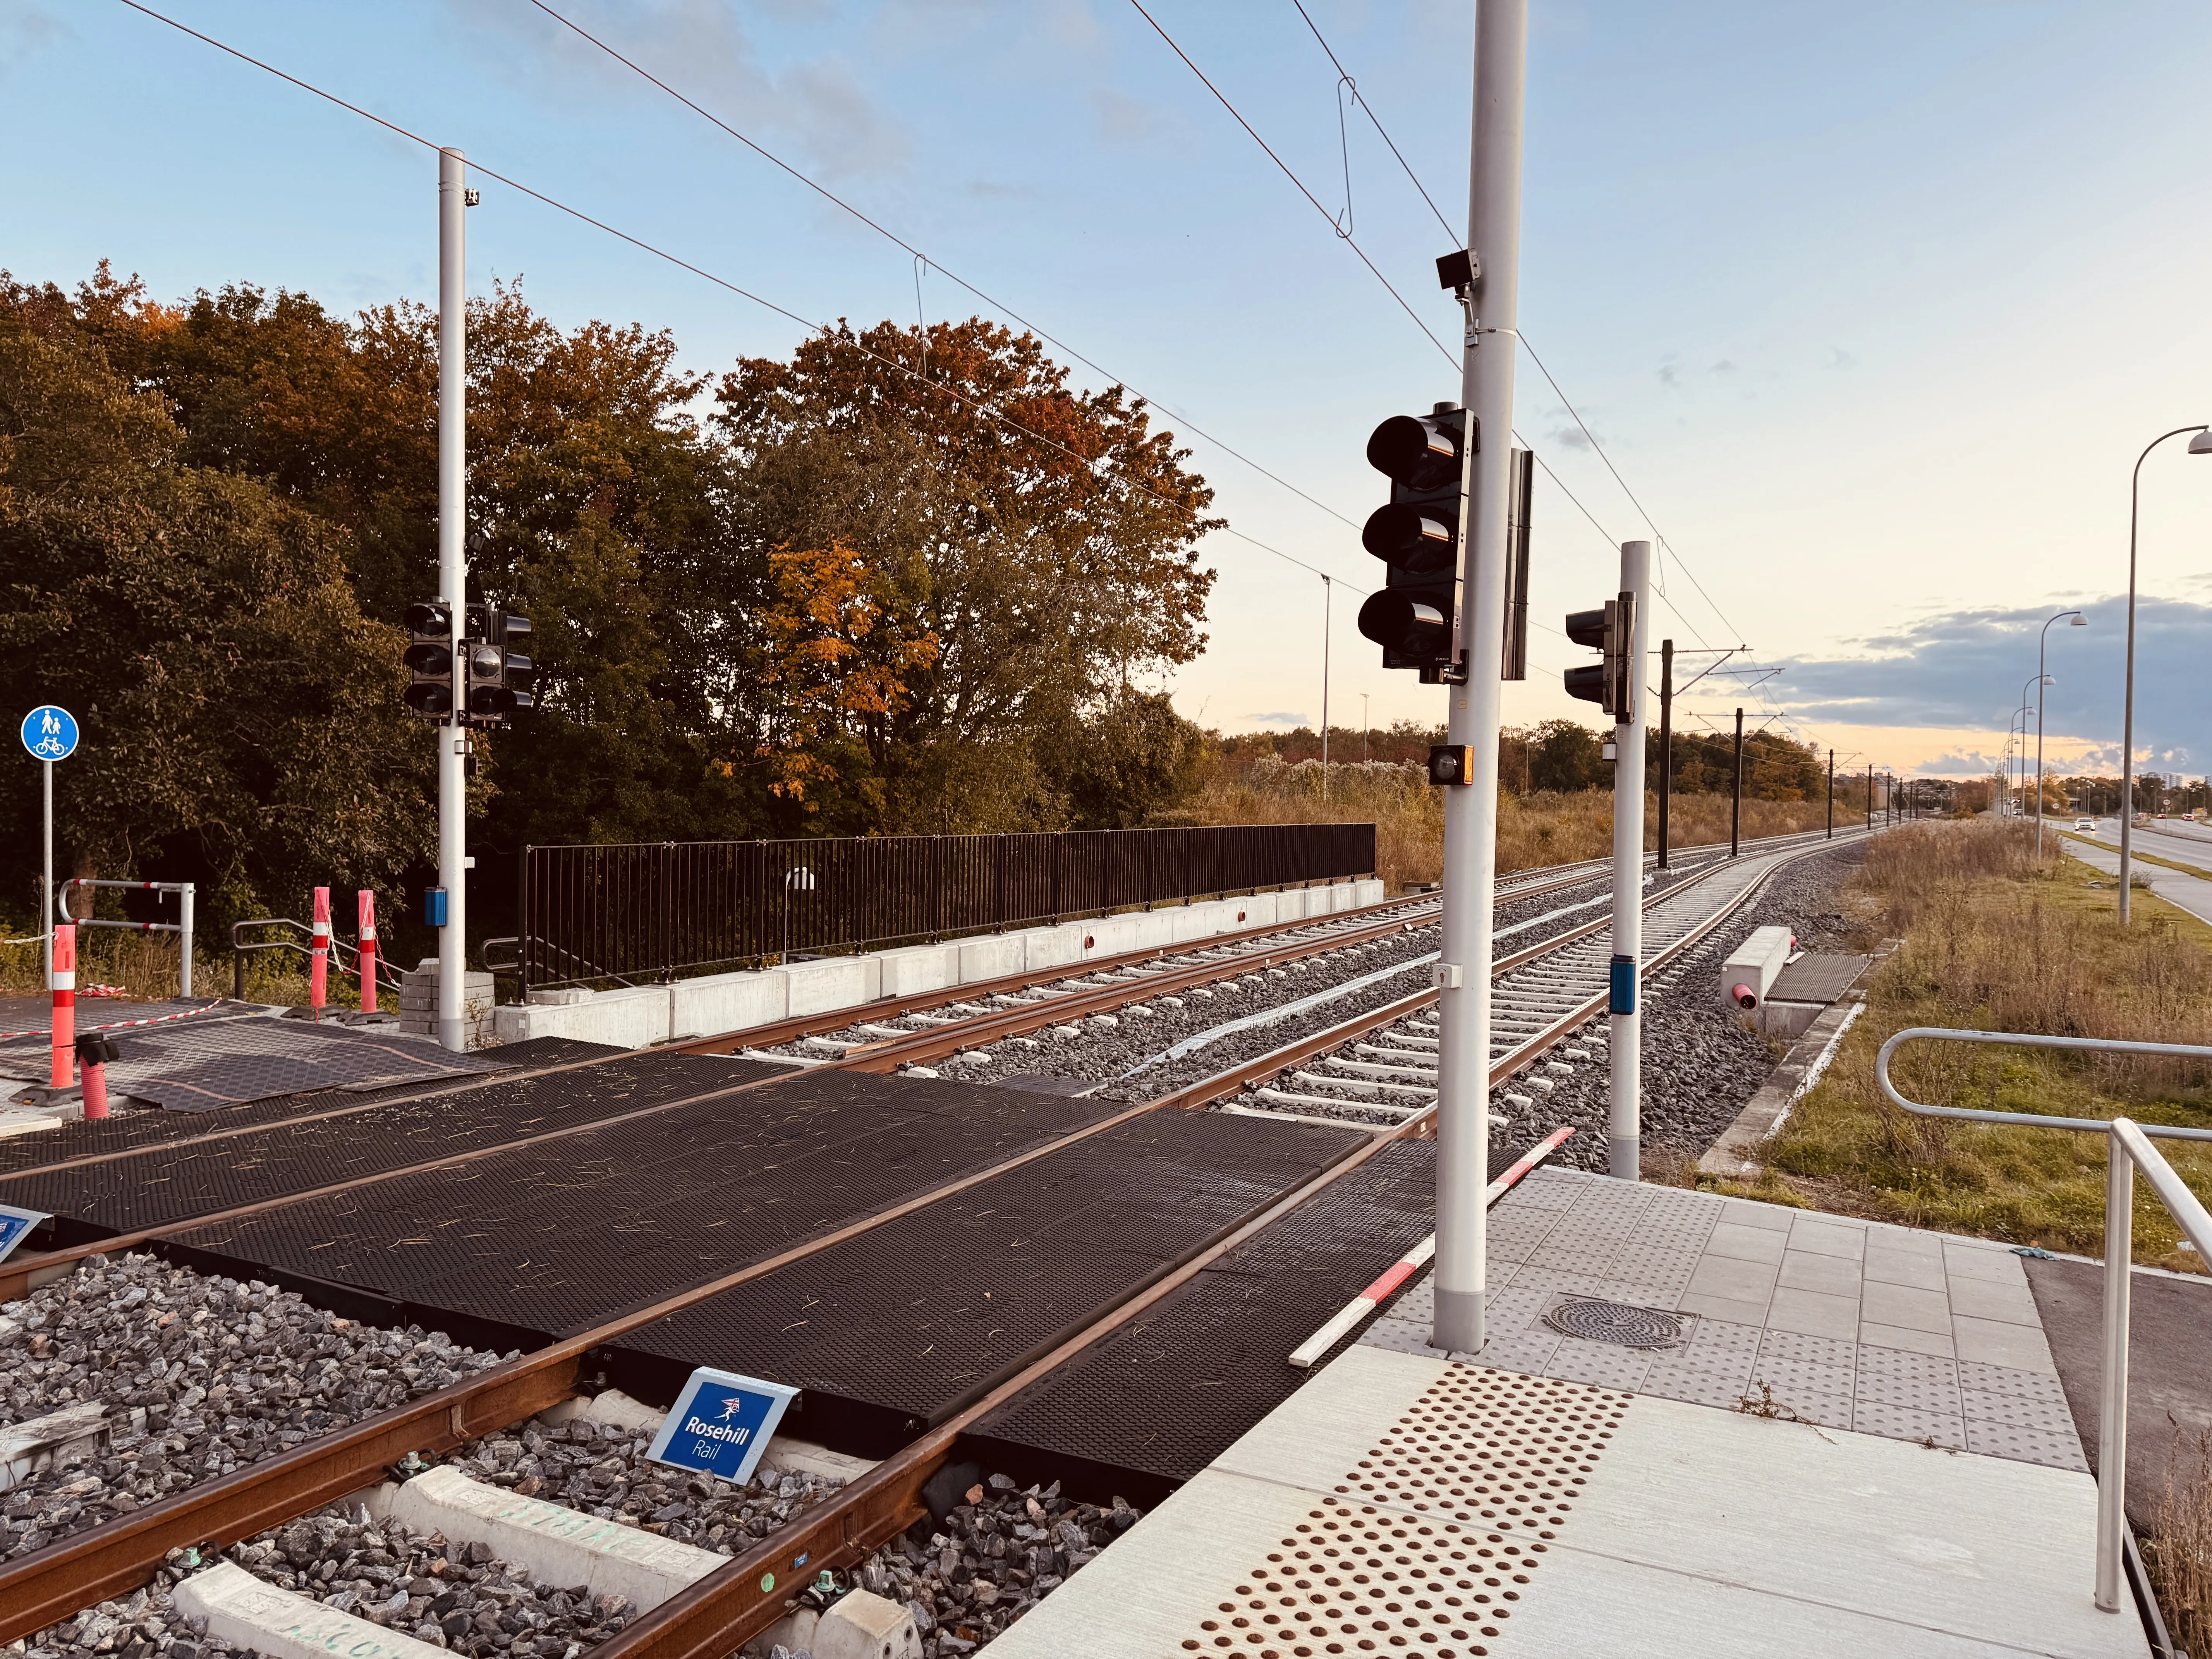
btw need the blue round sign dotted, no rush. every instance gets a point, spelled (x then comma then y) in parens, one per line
(50, 733)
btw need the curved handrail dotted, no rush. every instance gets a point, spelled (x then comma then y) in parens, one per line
(2024, 1040)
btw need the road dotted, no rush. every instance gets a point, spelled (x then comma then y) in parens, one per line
(2185, 844)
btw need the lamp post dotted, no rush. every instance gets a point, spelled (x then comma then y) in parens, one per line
(2199, 445)
(2080, 621)
(2023, 733)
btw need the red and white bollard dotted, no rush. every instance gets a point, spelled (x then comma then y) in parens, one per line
(365, 902)
(319, 961)
(94, 1050)
(64, 1004)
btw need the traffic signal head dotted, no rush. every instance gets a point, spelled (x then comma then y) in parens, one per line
(1417, 537)
(497, 678)
(429, 660)
(1610, 684)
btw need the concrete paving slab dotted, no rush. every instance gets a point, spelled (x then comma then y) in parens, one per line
(1887, 1265)
(1872, 1335)
(1398, 1504)
(1814, 1314)
(1747, 1243)
(1804, 1270)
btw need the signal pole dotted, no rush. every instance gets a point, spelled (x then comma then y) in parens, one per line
(1666, 740)
(1735, 807)
(1624, 1016)
(1493, 215)
(452, 587)
(1832, 794)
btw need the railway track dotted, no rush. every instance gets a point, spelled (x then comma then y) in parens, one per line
(1548, 986)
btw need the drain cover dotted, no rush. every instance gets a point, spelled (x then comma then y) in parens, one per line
(1616, 1322)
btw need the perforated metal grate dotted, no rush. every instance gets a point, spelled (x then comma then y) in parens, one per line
(1428, 1546)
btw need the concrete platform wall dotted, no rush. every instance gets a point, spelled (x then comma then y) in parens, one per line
(718, 1004)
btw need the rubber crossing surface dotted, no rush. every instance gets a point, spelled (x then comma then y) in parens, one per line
(908, 1323)
(172, 1181)
(554, 1239)
(1152, 1405)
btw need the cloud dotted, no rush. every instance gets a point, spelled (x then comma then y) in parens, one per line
(1839, 358)
(1126, 120)
(25, 28)
(699, 47)
(1968, 669)
(1280, 719)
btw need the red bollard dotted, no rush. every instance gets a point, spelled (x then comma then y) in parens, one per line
(365, 902)
(94, 1050)
(319, 962)
(64, 1004)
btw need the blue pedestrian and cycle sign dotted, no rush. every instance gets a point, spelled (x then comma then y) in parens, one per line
(50, 733)
(720, 1424)
(15, 1225)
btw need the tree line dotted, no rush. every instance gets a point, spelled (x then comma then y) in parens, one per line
(906, 579)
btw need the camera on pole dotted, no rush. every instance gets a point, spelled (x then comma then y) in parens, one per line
(1610, 684)
(1413, 616)
(429, 660)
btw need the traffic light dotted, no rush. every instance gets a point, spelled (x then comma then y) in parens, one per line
(429, 660)
(498, 679)
(1610, 684)
(1417, 537)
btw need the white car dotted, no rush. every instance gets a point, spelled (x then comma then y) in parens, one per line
(2087, 824)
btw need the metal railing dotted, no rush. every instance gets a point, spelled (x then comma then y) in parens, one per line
(182, 890)
(656, 910)
(2128, 1148)
(388, 976)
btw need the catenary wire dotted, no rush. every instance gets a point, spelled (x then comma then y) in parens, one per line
(998, 304)
(643, 246)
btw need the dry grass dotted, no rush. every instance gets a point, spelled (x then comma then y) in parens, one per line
(2179, 1552)
(1539, 829)
(144, 966)
(1992, 943)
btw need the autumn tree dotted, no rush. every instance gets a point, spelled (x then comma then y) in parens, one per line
(1045, 538)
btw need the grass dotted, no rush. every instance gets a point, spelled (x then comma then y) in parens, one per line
(2179, 1552)
(1543, 828)
(145, 967)
(1992, 942)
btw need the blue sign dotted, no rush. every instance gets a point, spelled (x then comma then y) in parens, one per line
(720, 1424)
(50, 733)
(15, 1225)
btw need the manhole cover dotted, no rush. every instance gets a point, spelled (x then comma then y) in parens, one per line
(1617, 1323)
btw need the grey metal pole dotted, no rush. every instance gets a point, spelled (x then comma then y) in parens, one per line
(2112, 1425)
(1735, 809)
(1832, 794)
(46, 880)
(185, 940)
(452, 587)
(1624, 1013)
(1501, 38)
(1666, 746)
(1327, 598)
(2128, 704)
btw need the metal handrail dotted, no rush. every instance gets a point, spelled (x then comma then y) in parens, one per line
(182, 890)
(2127, 1148)
(387, 975)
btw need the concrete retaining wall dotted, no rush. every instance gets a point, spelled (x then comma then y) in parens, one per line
(718, 1004)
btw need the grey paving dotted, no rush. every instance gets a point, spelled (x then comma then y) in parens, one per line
(1857, 1325)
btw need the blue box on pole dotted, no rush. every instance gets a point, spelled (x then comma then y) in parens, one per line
(433, 907)
(1624, 985)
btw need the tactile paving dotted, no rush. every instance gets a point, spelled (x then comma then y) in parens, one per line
(1426, 1544)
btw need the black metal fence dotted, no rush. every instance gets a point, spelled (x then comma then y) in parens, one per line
(652, 911)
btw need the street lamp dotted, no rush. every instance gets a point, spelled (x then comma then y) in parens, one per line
(2031, 680)
(2199, 445)
(2080, 621)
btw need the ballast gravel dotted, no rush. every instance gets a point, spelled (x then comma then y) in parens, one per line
(1701, 1062)
(201, 1375)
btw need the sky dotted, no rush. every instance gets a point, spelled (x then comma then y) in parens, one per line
(1865, 313)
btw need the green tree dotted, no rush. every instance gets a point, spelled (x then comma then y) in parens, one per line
(1565, 755)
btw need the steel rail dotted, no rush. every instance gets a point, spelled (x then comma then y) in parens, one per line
(46, 1586)
(720, 1613)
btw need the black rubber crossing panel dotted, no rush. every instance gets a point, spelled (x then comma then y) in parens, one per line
(135, 1130)
(1155, 1403)
(910, 1322)
(162, 1184)
(558, 1238)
